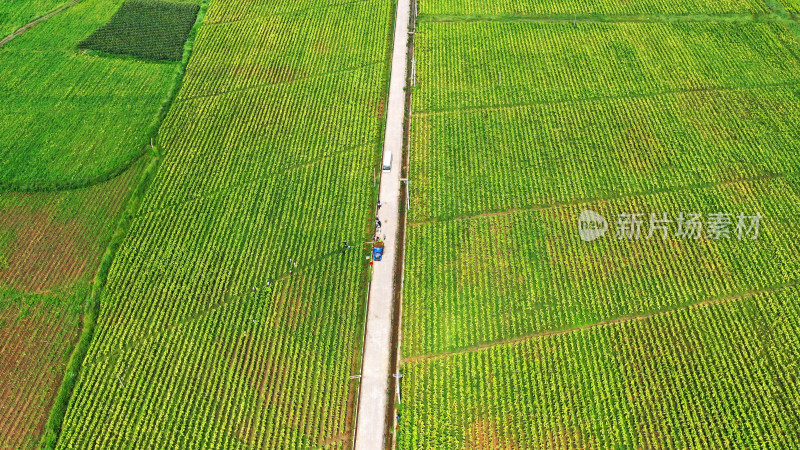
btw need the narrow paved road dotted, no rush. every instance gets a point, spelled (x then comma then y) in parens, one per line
(375, 366)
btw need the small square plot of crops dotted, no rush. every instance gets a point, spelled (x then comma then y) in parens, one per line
(152, 30)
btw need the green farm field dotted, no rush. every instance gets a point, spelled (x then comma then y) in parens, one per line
(14, 15)
(75, 128)
(71, 118)
(504, 9)
(230, 318)
(191, 192)
(51, 245)
(518, 334)
(713, 375)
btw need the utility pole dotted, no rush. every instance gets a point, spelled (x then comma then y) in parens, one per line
(398, 376)
(408, 198)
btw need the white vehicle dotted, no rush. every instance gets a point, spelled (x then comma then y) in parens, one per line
(387, 161)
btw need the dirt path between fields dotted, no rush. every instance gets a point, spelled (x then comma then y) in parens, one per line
(723, 299)
(32, 24)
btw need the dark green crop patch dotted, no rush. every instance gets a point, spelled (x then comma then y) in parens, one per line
(149, 29)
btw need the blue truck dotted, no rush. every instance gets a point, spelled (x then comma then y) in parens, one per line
(377, 251)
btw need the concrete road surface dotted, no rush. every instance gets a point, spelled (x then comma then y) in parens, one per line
(373, 397)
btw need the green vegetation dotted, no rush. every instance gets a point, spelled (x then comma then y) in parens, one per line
(518, 334)
(624, 108)
(527, 272)
(714, 376)
(787, 7)
(148, 29)
(230, 317)
(568, 8)
(524, 63)
(568, 151)
(71, 119)
(51, 245)
(75, 128)
(15, 13)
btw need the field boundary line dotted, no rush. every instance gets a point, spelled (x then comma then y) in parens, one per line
(610, 198)
(435, 112)
(19, 31)
(105, 177)
(622, 319)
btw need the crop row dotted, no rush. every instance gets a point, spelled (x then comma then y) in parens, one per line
(486, 64)
(243, 373)
(481, 280)
(566, 8)
(225, 11)
(704, 377)
(191, 257)
(230, 317)
(148, 29)
(50, 242)
(71, 119)
(285, 48)
(34, 338)
(264, 131)
(498, 160)
(50, 246)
